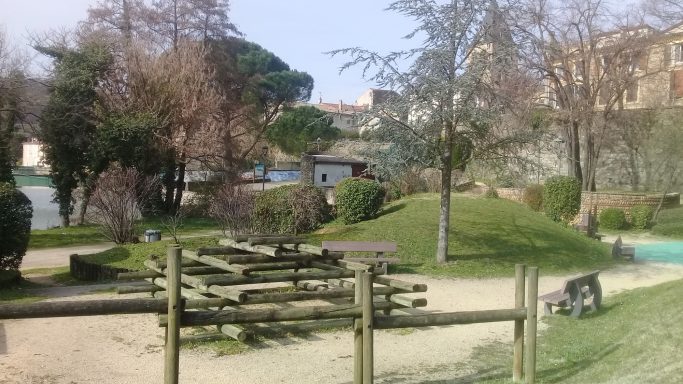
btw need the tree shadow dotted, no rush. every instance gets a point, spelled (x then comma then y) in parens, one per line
(3, 340)
(392, 209)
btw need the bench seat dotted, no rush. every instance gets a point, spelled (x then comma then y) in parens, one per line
(573, 293)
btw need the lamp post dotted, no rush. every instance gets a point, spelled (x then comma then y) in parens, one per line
(264, 153)
(317, 141)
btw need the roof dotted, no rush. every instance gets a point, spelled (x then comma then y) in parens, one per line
(335, 160)
(335, 107)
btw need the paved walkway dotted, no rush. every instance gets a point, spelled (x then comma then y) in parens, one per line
(59, 257)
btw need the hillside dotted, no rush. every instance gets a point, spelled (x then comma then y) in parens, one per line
(487, 237)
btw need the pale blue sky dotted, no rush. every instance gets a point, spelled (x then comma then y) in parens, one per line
(298, 31)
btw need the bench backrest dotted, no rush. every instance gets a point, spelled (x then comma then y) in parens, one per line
(360, 246)
(582, 281)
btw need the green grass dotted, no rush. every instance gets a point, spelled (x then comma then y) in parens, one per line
(670, 223)
(132, 256)
(487, 237)
(90, 234)
(634, 338)
(20, 293)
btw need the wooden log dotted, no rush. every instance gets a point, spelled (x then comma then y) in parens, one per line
(531, 325)
(357, 330)
(81, 308)
(270, 251)
(214, 251)
(273, 277)
(249, 268)
(518, 336)
(136, 275)
(264, 240)
(172, 350)
(212, 261)
(342, 283)
(412, 287)
(301, 327)
(449, 318)
(312, 285)
(161, 264)
(296, 257)
(312, 249)
(125, 289)
(243, 238)
(368, 329)
(203, 337)
(343, 264)
(407, 301)
(228, 293)
(185, 292)
(191, 319)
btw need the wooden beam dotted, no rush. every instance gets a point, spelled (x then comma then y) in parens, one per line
(449, 318)
(81, 308)
(273, 277)
(257, 240)
(270, 251)
(172, 347)
(518, 335)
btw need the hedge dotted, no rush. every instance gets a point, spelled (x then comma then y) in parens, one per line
(641, 215)
(612, 218)
(561, 198)
(290, 209)
(15, 226)
(358, 199)
(533, 197)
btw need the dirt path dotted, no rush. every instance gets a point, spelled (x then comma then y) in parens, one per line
(128, 348)
(59, 257)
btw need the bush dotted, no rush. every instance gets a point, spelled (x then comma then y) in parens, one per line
(358, 199)
(15, 226)
(290, 209)
(641, 216)
(561, 198)
(491, 193)
(232, 207)
(9, 278)
(533, 197)
(612, 218)
(117, 200)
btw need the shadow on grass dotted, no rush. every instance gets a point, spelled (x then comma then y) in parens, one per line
(571, 368)
(394, 208)
(109, 256)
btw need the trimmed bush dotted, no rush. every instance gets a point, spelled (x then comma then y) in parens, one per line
(358, 199)
(641, 215)
(612, 218)
(533, 197)
(561, 198)
(15, 226)
(290, 209)
(491, 193)
(9, 278)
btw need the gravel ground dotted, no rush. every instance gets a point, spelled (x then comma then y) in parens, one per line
(129, 348)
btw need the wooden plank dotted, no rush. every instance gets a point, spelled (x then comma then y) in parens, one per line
(172, 350)
(360, 246)
(390, 260)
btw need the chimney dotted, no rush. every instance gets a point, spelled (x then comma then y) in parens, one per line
(341, 104)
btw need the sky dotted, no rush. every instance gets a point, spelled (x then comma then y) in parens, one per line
(298, 31)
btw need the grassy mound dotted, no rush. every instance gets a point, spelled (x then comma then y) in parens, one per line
(487, 237)
(670, 223)
(132, 256)
(633, 338)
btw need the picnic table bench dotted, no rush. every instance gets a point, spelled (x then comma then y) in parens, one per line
(378, 247)
(573, 293)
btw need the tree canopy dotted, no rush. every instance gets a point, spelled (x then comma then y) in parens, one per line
(295, 128)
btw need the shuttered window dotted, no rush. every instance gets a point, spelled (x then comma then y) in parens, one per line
(677, 83)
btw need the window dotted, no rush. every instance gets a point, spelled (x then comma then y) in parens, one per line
(677, 53)
(324, 180)
(632, 92)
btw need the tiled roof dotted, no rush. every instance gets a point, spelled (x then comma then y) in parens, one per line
(334, 107)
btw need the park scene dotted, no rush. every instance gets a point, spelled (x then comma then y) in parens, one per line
(406, 191)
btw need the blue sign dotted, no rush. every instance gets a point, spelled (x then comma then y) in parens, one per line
(260, 167)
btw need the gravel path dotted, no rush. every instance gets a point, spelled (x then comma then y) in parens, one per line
(59, 257)
(128, 348)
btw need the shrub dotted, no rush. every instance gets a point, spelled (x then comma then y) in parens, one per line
(232, 207)
(491, 193)
(533, 197)
(561, 198)
(358, 199)
(9, 278)
(290, 209)
(117, 200)
(612, 218)
(641, 216)
(15, 226)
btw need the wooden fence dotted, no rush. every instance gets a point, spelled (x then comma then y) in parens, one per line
(198, 280)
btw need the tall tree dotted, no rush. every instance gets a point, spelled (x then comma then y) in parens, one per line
(295, 128)
(11, 87)
(452, 94)
(68, 121)
(589, 61)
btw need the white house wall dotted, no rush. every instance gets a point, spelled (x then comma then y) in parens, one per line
(335, 173)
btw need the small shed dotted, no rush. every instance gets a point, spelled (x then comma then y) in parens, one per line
(327, 170)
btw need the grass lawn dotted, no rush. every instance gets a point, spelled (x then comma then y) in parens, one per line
(634, 338)
(670, 223)
(487, 237)
(132, 256)
(90, 234)
(20, 293)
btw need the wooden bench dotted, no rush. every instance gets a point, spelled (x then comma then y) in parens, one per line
(573, 293)
(378, 247)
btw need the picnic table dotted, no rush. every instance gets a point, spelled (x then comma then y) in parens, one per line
(573, 293)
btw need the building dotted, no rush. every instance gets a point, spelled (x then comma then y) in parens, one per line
(32, 154)
(344, 116)
(327, 170)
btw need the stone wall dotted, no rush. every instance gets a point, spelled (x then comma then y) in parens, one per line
(603, 200)
(307, 169)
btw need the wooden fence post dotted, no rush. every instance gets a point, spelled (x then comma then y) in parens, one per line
(368, 314)
(358, 333)
(531, 325)
(172, 357)
(518, 353)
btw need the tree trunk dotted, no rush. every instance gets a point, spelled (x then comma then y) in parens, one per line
(635, 170)
(591, 165)
(169, 182)
(445, 205)
(180, 185)
(574, 152)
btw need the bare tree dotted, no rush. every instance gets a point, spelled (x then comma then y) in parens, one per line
(233, 207)
(116, 201)
(590, 62)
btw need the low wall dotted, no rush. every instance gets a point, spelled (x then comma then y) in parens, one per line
(603, 200)
(83, 270)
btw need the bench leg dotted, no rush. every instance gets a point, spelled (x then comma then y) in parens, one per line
(548, 309)
(385, 268)
(577, 306)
